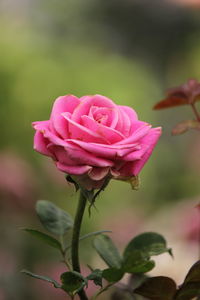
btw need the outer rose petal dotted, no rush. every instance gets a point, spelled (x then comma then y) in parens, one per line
(73, 155)
(73, 170)
(98, 173)
(130, 169)
(82, 157)
(108, 151)
(61, 155)
(63, 104)
(40, 144)
(44, 128)
(130, 112)
(138, 154)
(88, 183)
(141, 130)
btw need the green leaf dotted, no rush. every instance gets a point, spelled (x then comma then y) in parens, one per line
(54, 219)
(112, 275)
(157, 288)
(45, 278)
(73, 282)
(149, 243)
(137, 263)
(107, 250)
(44, 237)
(96, 277)
(144, 267)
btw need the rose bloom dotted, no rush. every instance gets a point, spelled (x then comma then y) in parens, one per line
(92, 139)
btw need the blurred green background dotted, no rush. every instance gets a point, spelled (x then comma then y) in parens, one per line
(130, 51)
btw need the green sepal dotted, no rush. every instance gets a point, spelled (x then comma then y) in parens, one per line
(71, 180)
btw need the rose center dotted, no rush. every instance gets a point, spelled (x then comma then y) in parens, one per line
(101, 118)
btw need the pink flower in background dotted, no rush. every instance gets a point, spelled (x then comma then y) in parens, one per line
(195, 3)
(18, 185)
(93, 138)
(190, 224)
(131, 225)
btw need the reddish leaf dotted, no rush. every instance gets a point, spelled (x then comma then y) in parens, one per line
(184, 126)
(157, 288)
(191, 285)
(171, 101)
(194, 273)
(187, 93)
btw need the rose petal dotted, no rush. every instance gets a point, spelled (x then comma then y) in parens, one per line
(79, 132)
(40, 144)
(141, 129)
(88, 183)
(130, 169)
(109, 134)
(130, 112)
(126, 123)
(61, 155)
(138, 154)
(98, 173)
(82, 157)
(110, 116)
(107, 151)
(63, 104)
(73, 170)
(128, 117)
(86, 102)
(43, 127)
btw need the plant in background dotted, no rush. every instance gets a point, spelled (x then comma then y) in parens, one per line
(93, 140)
(186, 94)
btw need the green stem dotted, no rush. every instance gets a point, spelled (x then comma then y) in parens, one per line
(75, 239)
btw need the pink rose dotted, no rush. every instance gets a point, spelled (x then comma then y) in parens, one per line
(92, 138)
